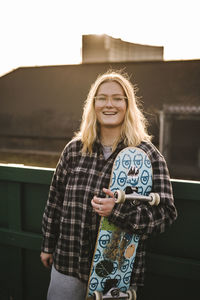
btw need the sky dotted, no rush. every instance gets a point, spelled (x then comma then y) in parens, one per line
(49, 32)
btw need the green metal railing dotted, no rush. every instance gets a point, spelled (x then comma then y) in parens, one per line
(23, 194)
(173, 259)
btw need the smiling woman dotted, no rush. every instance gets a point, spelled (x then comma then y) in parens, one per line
(110, 109)
(80, 191)
(103, 119)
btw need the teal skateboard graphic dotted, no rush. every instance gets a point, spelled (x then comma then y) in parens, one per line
(115, 250)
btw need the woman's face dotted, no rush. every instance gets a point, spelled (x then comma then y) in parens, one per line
(110, 104)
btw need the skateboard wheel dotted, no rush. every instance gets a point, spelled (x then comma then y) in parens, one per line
(132, 294)
(119, 196)
(98, 295)
(155, 199)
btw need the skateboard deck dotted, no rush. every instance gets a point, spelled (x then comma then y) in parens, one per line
(115, 250)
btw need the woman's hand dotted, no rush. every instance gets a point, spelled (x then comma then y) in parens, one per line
(104, 206)
(47, 259)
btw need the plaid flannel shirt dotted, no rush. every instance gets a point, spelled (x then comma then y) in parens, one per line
(69, 223)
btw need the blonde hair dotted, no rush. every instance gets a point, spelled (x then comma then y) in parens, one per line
(134, 127)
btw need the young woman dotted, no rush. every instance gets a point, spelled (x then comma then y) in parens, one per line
(79, 192)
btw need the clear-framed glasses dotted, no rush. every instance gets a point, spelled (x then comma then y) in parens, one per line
(116, 100)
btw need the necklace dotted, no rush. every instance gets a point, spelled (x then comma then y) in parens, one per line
(107, 146)
(107, 143)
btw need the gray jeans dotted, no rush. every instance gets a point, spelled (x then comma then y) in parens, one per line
(63, 287)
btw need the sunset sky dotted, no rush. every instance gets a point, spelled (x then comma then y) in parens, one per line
(48, 32)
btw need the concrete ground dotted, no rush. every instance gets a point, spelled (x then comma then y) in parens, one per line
(46, 160)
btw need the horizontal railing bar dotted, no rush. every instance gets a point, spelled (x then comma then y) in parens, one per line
(26, 240)
(164, 265)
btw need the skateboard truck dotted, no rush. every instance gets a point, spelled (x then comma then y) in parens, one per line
(115, 293)
(121, 196)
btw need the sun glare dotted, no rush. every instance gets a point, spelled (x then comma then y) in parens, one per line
(43, 32)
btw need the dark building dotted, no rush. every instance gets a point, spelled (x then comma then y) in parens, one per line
(180, 140)
(41, 107)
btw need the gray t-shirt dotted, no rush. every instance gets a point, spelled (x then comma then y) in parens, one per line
(107, 151)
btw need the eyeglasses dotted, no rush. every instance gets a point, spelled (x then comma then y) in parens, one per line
(115, 100)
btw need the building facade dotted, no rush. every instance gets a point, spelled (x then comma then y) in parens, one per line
(104, 48)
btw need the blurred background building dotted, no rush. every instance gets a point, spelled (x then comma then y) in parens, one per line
(41, 107)
(104, 48)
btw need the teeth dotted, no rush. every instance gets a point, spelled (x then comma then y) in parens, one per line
(109, 113)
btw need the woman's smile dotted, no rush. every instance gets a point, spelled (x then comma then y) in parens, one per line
(110, 105)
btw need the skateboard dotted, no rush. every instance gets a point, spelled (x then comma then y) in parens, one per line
(115, 250)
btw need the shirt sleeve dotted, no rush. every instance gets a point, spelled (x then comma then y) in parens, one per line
(144, 219)
(52, 212)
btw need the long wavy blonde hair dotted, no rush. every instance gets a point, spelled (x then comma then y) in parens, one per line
(134, 127)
